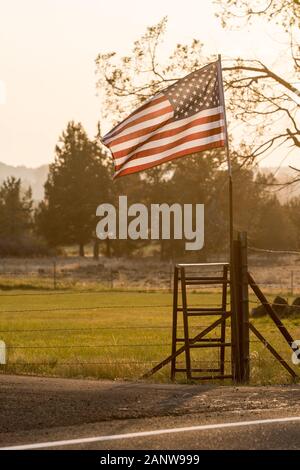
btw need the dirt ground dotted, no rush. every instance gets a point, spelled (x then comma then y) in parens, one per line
(275, 272)
(33, 403)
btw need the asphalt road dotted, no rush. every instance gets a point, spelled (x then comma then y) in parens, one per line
(39, 412)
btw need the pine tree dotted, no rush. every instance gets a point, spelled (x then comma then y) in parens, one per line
(76, 184)
(15, 209)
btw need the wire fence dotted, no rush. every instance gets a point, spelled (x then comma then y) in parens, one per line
(64, 273)
(275, 271)
(111, 330)
(48, 329)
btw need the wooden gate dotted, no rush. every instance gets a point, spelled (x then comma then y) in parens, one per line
(240, 326)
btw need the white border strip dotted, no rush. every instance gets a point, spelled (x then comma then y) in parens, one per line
(205, 427)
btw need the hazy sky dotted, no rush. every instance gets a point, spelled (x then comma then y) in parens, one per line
(47, 61)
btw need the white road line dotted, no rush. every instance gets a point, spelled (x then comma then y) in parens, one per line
(158, 432)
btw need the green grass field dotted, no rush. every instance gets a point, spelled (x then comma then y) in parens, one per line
(114, 334)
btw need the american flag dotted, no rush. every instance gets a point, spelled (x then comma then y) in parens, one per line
(187, 117)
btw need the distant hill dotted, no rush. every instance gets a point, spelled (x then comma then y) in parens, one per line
(34, 177)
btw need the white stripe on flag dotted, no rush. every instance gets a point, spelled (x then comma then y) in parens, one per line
(156, 158)
(168, 140)
(150, 108)
(133, 115)
(142, 125)
(167, 127)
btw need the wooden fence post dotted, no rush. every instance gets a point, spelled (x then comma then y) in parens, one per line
(234, 299)
(244, 308)
(54, 275)
(240, 310)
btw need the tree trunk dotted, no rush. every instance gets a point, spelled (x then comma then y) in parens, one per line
(108, 248)
(81, 249)
(96, 249)
(162, 250)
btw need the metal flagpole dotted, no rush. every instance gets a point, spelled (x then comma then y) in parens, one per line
(233, 281)
(227, 154)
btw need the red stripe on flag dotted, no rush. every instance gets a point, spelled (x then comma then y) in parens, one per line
(188, 138)
(182, 153)
(122, 126)
(169, 133)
